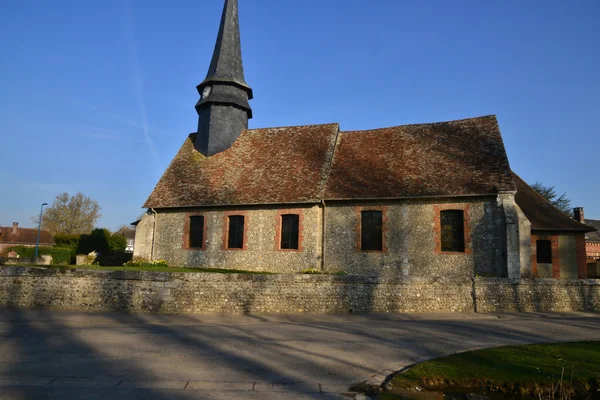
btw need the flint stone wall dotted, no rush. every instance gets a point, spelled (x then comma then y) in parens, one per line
(260, 253)
(409, 234)
(158, 292)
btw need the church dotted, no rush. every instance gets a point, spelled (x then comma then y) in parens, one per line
(433, 200)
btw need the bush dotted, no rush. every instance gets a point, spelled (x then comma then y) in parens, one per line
(70, 241)
(97, 240)
(60, 255)
(67, 240)
(2, 261)
(140, 262)
(313, 271)
(113, 258)
(117, 243)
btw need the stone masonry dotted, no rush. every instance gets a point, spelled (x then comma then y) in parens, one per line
(260, 253)
(411, 239)
(135, 291)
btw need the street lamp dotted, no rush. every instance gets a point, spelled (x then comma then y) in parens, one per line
(37, 242)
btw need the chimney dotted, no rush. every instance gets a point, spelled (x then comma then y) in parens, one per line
(578, 214)
(15, 228)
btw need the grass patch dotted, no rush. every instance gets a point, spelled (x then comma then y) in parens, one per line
(523, 370)
(151, 269)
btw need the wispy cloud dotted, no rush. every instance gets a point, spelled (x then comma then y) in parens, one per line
(32, 185)
(100, 133)
(60, 56)
(98, 111)
(138, 82)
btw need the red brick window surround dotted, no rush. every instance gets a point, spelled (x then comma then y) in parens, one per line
(238, 237)
(438, 210)
(554, 256)
(288, 240)
(194, 231)
(373, 237)
(543, 249)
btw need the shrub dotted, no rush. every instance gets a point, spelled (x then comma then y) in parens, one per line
(2, 261)
(97, 240)
(70, 241)
(117, 243)
(113, 258)
(60, 255)
(67, 240)
(140, 262)
(313, 271)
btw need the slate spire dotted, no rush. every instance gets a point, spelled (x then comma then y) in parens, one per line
(223, 109)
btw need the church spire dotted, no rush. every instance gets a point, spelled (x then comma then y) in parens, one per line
(223, 109)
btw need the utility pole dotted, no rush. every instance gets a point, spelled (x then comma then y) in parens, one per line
(37, 242)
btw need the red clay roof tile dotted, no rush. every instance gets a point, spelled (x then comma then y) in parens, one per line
(543, 215)
(465, 157)
(294, 165)
(270, 165)
(24, 236)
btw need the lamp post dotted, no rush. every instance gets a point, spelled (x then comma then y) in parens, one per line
(37, 242)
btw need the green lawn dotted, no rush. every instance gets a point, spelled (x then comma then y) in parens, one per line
(511, 369)
(152, 269)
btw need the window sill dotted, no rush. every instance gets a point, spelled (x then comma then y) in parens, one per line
(291, 250)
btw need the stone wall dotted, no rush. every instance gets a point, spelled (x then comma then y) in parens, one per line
(537, 295)
(136, 291)
(144, 234)
(410, 239)
(568, 256)
(260, 251)
(410, 236)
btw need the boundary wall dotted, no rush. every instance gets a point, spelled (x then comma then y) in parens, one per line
(166, 292)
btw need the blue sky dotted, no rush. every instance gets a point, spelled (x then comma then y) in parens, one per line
(98, 96)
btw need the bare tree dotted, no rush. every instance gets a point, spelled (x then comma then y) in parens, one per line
(70, 214)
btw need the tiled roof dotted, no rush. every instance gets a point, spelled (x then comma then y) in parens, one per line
(24, 236)
(543, 215)
(465, 157)
(294, 165)
(126, 232)
(593, 236)
(271, 165)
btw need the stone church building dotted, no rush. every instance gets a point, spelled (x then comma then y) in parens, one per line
(428, 200)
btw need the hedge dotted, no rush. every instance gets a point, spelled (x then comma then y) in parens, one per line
(68, 240)
(99, 240)
(60, 255)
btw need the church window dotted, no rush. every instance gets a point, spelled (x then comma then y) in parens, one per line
(235, 235)
(196, 232)
(544, 251)
(452, 231)
(371, 230)
(290, 224)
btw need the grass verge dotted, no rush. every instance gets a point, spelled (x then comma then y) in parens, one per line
(150, 269)
(518, 370)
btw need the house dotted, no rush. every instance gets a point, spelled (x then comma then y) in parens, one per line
(558, 248)
(129, 235)
(435, 200)
(592, 243)
(17, 236)
(592, 239)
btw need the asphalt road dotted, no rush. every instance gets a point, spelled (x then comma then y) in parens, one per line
(69, 355)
